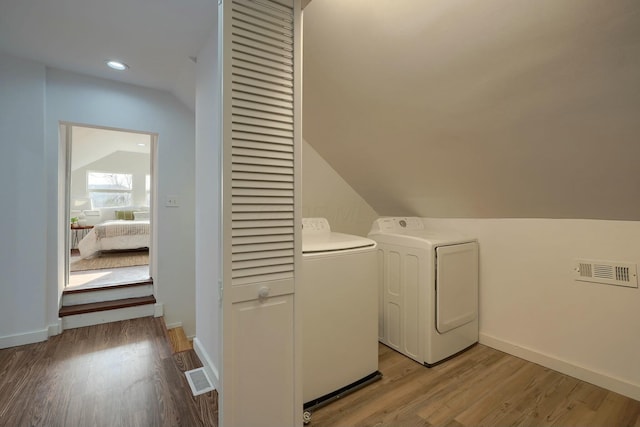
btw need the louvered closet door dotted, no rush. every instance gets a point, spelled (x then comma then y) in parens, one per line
(262, 140)
(260, 149)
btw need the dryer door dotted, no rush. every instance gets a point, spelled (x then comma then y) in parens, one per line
(456, 285)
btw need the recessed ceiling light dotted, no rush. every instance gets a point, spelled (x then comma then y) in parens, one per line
(116, 65)
(141, 144)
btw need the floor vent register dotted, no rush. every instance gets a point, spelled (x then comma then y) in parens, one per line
(199, 381)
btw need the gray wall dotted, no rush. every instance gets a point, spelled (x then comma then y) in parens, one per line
(77, 98)
(497, 108)
(23, 222)
(33, 101)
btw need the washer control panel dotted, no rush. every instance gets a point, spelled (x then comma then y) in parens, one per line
(315, 225)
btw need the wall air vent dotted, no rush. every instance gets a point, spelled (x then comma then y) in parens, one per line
(607, 272)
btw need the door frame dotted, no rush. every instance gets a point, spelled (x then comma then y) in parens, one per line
(67, 145)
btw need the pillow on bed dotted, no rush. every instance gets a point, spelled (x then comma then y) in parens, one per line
(141, 215)
(128, 215)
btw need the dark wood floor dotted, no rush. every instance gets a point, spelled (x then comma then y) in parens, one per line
(481, 387)
(116, 374)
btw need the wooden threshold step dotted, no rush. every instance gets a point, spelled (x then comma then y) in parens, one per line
(70, 310)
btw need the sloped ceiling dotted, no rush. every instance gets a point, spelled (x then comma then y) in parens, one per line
(156, 38)
(493, 108)
(92, 144)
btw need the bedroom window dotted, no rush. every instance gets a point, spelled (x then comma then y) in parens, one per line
(110, 189)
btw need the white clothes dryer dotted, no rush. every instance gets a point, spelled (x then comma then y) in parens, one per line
(339, 300)
(428, 289)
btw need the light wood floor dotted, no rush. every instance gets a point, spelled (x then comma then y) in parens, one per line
(179, 341)
(116, 374)
(481, 387)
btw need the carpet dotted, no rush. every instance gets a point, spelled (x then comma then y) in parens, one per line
(110, 260)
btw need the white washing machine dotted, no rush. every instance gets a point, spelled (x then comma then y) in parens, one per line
(428, 289)
(339, 300)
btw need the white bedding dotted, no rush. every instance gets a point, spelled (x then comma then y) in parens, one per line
(114, 235)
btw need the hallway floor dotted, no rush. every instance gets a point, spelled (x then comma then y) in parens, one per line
(115, 374)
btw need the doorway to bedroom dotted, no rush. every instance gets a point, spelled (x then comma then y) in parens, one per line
(109, 186)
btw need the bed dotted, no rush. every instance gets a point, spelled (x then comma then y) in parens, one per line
(115, 235)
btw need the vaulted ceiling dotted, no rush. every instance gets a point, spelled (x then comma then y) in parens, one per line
(493, 108)
(91, 144)
(156, 38)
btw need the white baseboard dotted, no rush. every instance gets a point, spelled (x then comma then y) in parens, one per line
(212, 372)
(55, 328)
(159, 310)
(25, 338)
(602, 380)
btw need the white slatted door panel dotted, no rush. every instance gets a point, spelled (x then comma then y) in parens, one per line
(262, 146)
(261, 65)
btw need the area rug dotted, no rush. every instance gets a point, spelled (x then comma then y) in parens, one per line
(110, 260)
